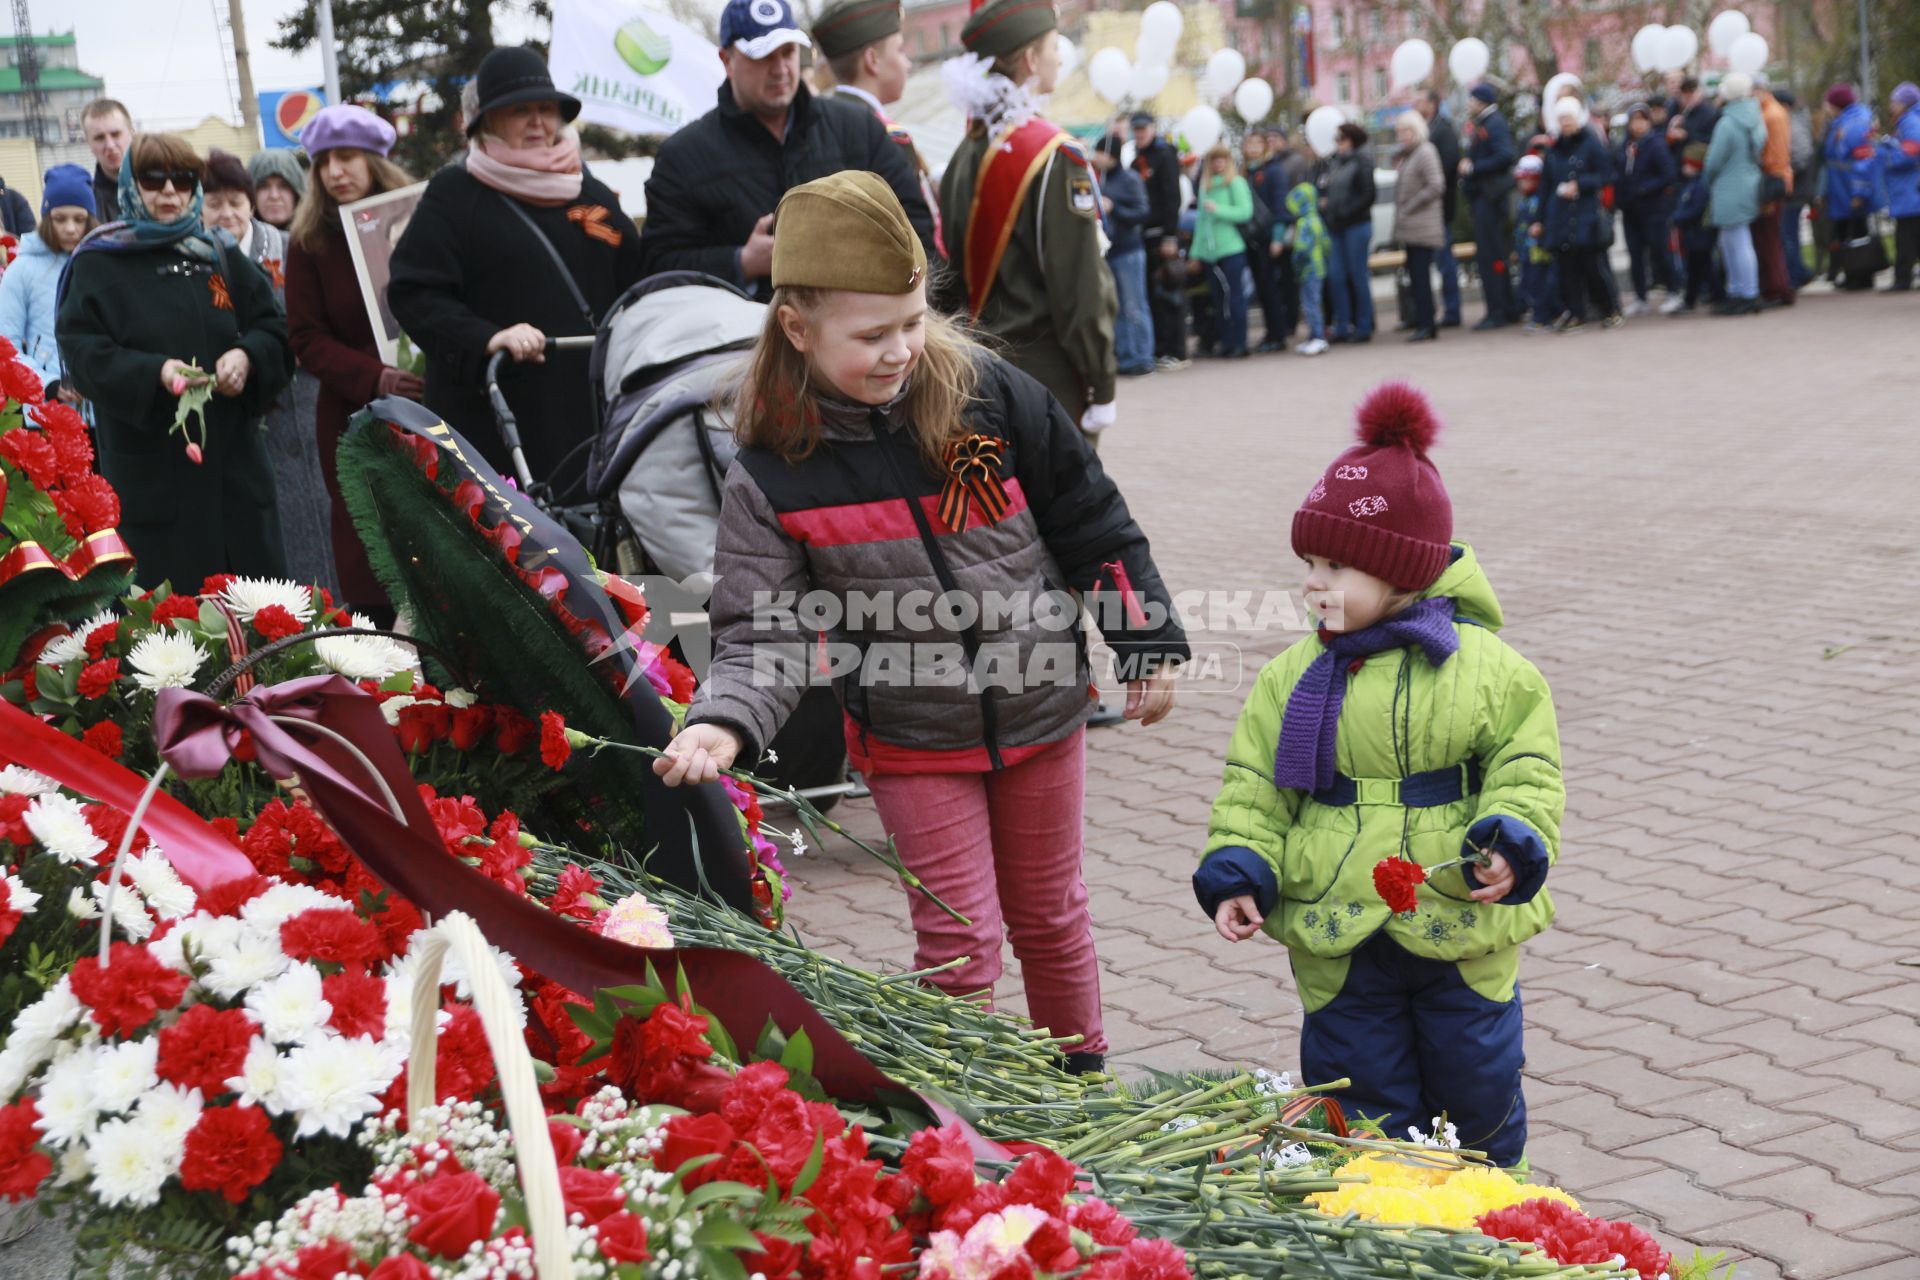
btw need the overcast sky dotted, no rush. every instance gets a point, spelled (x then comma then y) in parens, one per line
(163, 57)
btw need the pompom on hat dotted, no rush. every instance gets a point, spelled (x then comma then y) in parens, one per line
(1380, 507)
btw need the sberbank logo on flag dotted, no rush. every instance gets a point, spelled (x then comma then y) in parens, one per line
(642, 48)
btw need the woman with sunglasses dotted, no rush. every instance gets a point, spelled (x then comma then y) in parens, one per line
(152, 306)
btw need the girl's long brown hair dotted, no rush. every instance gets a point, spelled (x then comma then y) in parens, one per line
(319, 213)
(774, 407)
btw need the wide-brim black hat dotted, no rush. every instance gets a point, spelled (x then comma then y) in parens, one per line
(510, 76)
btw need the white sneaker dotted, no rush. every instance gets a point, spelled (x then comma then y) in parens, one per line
(1637, 307)
(1311, 347)
(1672, 306)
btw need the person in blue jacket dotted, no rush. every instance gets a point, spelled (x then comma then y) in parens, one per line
(1486, 179)
(27, 302)
(1539, 285)
(1694, 236)
(1900, 167)
(1851, 171)
(1123, 214)
(1577, 167)
(1643, 185)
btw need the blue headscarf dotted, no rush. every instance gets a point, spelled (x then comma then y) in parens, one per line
(139, 230)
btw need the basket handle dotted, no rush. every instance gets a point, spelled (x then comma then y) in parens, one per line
(526, 1117)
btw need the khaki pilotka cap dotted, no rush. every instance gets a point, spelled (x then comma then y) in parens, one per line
(847, 25)
(1002, 27)
(846, 231)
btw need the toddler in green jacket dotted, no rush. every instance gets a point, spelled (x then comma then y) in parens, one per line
(1404, 731)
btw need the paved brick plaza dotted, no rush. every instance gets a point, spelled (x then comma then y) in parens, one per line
(1706, 534)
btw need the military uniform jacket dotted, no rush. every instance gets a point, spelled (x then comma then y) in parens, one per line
(1052, 300)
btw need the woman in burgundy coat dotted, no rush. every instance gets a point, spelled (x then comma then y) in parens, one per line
(332, 336)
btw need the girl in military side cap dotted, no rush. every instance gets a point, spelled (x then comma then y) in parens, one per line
(909, 515)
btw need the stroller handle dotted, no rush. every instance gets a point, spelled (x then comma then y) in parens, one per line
(503, 413)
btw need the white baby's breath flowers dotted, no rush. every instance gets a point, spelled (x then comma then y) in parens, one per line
(1444, 1136)
(59, 823)
(165, 660)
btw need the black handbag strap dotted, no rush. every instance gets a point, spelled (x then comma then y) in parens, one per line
(559, 263)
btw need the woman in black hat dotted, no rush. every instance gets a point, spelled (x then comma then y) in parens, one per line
(472, 276)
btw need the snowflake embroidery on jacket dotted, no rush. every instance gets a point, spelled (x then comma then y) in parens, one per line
(1350, 472)
(1318, 491)
(217, 285)
(1374, 506)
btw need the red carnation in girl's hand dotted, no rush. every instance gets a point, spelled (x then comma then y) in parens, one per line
(23, 1166)
(1397, 881)
(96, 678)
(1396, 413)
(129, 990)
(206, 1048)
(554, 748)
(231, 1150)
(274, 622)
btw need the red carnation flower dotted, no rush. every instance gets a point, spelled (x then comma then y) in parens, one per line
(126, 992)
(206, 1048)
(215, 584)
(334, 935)
(9, 918)
(1043, 1180)
(21, 383)
(29, 451)
(23, 1166)
(359, 1003)
(554, 748)
(99, 638)
(941, 1162)
(176, 606)
(276, 622)
(451, 1212)
(517, 732)
(87, 505)
(1397, 881)
(96, 678)
(105, 738)
(688, 1137)
(227, 897)
(67, 432)
(13, 819)
(623, 1238)
(569, 895)
(231, 1150)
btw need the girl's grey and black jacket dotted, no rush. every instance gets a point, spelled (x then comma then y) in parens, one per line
(858, 520)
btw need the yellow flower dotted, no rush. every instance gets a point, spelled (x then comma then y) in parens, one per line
(1402, 1191)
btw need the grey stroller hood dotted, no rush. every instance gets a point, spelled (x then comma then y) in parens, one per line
(668, 352)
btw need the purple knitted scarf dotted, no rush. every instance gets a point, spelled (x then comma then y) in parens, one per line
(1304, 759)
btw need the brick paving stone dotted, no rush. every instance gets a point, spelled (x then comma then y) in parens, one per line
(1870, 1166)
(1805, 1252)
(1832, 1204)
(1678, 1203)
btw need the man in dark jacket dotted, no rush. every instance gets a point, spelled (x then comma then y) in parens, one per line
(1159, 167)
(1487, 180)
(1266, 176)
(714, 187)
(1694, 121)
(1123, 213)
(1446, 140)
(16, 215)
(1643, 184)
(109, 131)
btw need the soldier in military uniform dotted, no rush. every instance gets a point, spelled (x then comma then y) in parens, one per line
(866, 53)
(1020, 211)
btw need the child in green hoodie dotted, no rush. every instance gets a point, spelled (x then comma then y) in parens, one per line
(1300, 231)
(1392, 800)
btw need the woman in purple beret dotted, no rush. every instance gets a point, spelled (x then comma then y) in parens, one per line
(327, 318)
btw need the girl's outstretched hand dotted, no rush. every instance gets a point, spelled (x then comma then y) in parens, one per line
(1496, 879)
(697, 754)
(1149, 700)
(1238, 919)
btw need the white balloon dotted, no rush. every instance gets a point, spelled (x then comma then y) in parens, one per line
(1146, 82)
(1749, 53)
(1160, 27)
(1677, 48)
(1069, 57)
(1550, 95)
(1201, 128)
(1110, 71)
(1253, 99)
(1725, 29)
(1225, 69)
(1469, 60)
(1412, 62)
(1646, 47)
(1323, 127)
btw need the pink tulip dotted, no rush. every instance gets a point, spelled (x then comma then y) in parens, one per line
(178, 386)
(194, 455)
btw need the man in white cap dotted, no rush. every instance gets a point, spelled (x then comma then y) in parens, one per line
(716, 183)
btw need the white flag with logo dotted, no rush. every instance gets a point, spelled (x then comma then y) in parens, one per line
(632, 68)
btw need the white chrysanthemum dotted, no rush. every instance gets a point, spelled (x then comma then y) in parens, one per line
(166, 1115)
(37, 1026)
(206, 934)
(121, 1072)
(19, 897)
(167, 895)
(165, 660)
(63, 649)
(290, 1008)
(258, 1083)
(334, 1082)
(130, 916)
(283, 902)
(252, 959)
(60, 824)
(16, 1064)
(71, 1167)
(127, 1167)
(16, 781)
(67, 1105)
(365, 657)
(80, 906)
(454, 970)
(248, 596)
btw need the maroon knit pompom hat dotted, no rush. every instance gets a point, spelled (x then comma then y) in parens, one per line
(1381, 507)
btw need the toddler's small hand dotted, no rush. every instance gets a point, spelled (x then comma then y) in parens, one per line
(1496, 880)
(1238, 919)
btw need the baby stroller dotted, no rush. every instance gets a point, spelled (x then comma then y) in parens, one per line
(665, 355)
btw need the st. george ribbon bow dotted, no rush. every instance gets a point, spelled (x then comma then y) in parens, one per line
(973, 475)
